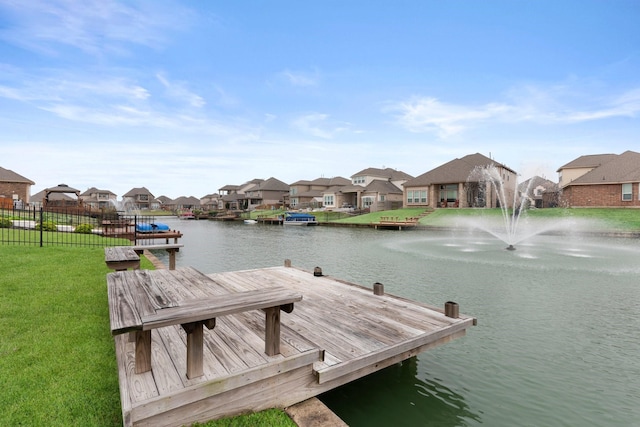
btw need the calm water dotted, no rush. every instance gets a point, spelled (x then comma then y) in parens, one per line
(558, 335)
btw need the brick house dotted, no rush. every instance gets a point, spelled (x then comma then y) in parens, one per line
(372, 188)
(449, 185)
(270, 192)
(305, 194)
(603, 180)
(141, 198)
(99, 199)
(15, 189)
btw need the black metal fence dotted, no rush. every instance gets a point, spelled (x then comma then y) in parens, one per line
(76, 227)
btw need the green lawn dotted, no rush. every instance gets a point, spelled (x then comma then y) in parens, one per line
(619, 219)
(57, 360)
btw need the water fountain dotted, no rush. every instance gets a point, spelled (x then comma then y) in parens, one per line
(513, 203)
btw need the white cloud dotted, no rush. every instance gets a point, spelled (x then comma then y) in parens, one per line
(299, 78)
(553, 105)
(319, 125)
(179, 91)
(431, 115)
(93, 26)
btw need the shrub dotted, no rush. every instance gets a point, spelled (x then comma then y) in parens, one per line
(47, 226)
(84, 228)
(5, 223)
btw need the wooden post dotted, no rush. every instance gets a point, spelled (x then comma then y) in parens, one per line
(451, 309)
(287, 263)
(378, 288)
(143, 351)
(317, 272)
(272, 331)
(172, 258)
(195, 349)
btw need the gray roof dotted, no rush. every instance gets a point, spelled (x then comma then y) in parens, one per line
(623, 168)
(384, 187)
(135, 191)
(453, 172)
(387, 173)
(7, 175)
(588, 161)
(62, 188)
(537, 181)
(184, 200)
(270, 184)
(94, 190)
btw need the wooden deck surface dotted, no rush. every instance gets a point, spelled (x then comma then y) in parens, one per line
(338, 332)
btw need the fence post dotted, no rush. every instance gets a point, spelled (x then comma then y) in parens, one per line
(41, 226)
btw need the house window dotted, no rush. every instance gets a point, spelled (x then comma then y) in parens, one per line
(423, 196)
(328, 200)
(358, 180)
(626, 192)
(410, 196)
(449, 192)
(367, 201)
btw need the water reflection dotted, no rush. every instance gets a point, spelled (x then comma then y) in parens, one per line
(423, 400)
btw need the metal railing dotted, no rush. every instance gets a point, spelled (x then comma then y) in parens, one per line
(70, 226)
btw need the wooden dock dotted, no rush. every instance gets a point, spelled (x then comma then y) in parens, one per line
(337, 333)
(395, 222)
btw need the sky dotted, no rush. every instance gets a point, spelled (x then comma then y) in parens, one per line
(185, 97)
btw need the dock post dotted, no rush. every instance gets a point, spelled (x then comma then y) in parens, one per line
(378, 288)
(317, 272)
(451, 309)
(287, 263)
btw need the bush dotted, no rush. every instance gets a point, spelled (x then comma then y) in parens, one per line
(5, 223)
(47, 226)
(84, 228)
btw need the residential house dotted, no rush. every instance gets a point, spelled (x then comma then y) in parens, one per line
(580, 166)
(540, 192)
(184, 203)
(372, 188)
(309, 194)
(99, 199)
(141, 198)
(269, 192)
(232, 197)
(210, 202)
(605, 180)
(166, 203)
(15, 189)
(450, 185)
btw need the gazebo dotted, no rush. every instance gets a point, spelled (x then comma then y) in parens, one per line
(49, 202)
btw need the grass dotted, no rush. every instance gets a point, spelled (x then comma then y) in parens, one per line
(57, 360)
(612, 218)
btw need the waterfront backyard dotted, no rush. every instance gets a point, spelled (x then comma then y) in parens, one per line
(56, 355)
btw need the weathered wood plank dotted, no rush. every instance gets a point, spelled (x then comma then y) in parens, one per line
(330, 373)
(121, 258)
(222, 305)
(174, 403)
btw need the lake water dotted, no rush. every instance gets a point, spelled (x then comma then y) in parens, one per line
(558, 335)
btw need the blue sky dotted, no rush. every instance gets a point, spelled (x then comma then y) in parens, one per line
(186, 97)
